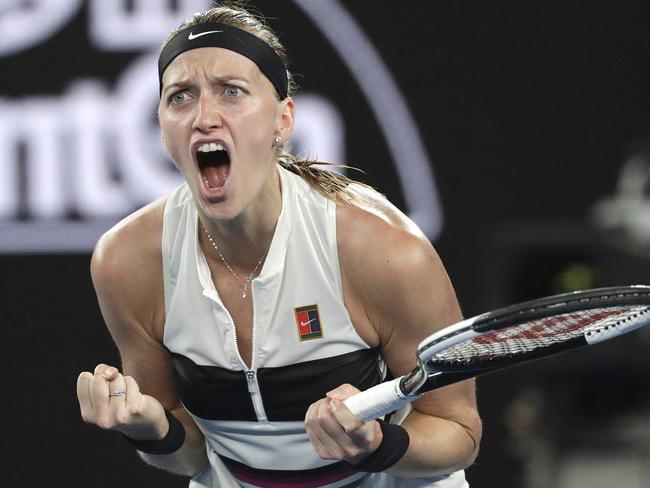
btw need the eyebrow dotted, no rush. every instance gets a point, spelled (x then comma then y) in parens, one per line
(214, 80)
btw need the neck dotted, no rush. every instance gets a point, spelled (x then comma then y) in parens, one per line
(243, 240)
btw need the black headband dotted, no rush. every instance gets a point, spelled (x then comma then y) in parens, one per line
(228, 37)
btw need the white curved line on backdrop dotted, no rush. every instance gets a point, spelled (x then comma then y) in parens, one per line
(24, 25)
(389, 107)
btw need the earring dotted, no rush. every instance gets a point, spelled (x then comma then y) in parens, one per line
(278, 140)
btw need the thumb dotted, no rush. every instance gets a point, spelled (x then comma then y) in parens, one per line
(342, 392)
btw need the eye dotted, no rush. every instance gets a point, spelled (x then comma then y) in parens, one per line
(234, 91)
(178, 97)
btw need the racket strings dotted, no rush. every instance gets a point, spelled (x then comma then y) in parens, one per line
(527, 337)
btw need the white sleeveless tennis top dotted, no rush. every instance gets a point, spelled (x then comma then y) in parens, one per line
(304, 344)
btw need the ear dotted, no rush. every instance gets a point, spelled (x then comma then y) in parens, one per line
(285, 118)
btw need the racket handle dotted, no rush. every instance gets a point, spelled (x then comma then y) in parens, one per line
(378, 400)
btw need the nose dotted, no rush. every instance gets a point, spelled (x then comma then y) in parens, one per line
(207, 114)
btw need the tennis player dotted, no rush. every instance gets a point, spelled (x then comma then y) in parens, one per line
(252, 300)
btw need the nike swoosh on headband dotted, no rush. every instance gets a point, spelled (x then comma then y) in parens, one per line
(193, 36)
(233, 39)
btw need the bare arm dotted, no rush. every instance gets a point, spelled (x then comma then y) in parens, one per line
(444, 427)
(127, 274)
(397, 292)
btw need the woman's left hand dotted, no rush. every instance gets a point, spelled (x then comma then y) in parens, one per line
(336, 433)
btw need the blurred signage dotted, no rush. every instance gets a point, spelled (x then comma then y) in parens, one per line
(73, 163)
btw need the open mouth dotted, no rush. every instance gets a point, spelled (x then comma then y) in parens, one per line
(214, 164)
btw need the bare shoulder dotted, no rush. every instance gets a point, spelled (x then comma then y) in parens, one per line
(126, 268)
(132, 243)
(376, 239)
(395, 284)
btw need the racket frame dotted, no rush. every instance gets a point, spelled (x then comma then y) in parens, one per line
(426, 376)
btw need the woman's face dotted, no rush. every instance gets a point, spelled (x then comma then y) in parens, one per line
(219, 118)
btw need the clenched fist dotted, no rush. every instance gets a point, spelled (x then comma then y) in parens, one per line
(112, 401)
(336, 433)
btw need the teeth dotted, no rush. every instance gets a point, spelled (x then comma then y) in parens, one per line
(210, 147)
(214, 188)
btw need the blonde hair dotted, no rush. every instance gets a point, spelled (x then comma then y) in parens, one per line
(235, 14)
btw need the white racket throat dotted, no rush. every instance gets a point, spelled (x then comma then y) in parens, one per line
(446, 338)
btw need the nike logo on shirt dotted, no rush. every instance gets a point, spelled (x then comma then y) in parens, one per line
(303, 324)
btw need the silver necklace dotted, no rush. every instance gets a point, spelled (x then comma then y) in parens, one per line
(243, 284)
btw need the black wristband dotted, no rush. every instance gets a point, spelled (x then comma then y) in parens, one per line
(172, 442)
(393, 446)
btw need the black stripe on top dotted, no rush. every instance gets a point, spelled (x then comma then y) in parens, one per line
(215, 393)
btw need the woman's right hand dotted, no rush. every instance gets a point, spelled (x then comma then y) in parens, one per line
(114, 402)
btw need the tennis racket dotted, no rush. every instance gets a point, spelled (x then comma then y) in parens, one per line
(508, 337)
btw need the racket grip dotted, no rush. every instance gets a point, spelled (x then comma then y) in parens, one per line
(378, 400)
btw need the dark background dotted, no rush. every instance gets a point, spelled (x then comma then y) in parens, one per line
(527, 112)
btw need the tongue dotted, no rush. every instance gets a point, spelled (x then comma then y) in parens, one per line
(216, 175)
